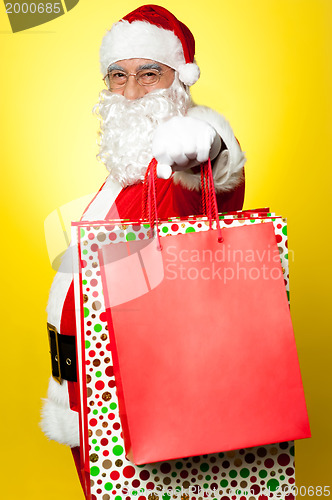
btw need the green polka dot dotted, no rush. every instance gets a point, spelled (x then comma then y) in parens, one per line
(86, 312)
(130, 236)
(85, 252)
(204, 467)
(272, 484)
(284, 230)
(262, 474)
(117, 450)
(95, 412)
(104, 409)
(282, 478)
(115, 439)
(113, 406)
(87, 344)
(165, 229)
(291, 450)
(252, 221)
(94, 441)
(205, 485)
(82, 233)
(207, 478)
(97, 448)
(108, 486)
(94, 471)
(154, 471)
(97, 328)
(118, 498)
(223, 483)
(244, 472)
(190, 229)
(286, 256)
(179, 465)
(98, 374)
(221, 455)
(174, 474)
(146, 226)
(84, 282)
(233, 473)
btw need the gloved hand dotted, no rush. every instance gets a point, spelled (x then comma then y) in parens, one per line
(183, 142)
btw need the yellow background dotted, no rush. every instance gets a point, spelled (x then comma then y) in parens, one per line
(266, 65)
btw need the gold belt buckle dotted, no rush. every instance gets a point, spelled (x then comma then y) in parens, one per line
(50, 329)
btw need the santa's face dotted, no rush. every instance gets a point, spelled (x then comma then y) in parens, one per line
(128, 123)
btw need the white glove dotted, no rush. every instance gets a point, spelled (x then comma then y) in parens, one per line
(182, 143)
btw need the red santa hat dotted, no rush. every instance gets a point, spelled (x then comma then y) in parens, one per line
(152, 32)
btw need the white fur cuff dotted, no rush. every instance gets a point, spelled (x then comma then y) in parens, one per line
(59, 422)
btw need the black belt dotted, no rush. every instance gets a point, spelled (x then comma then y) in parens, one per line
(63, 355)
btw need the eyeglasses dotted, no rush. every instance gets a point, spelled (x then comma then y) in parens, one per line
(116, 79)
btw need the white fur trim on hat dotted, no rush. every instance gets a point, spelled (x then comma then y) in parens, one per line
(142, 40)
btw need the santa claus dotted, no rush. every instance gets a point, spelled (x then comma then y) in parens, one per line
(147, 59)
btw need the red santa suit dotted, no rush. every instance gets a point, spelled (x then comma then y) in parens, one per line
(178, 196)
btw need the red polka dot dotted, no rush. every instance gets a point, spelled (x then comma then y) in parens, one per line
(278, 238)
(111, 416)
(103, 316)
(91, 236)
(115, 475)
(104, 442)
(144, 475)
(94, 247)
(83, 263)
(174, 227)
(111, 383)
(112, 236)
(255, 489)
(136, 483)
(228, 221)
(109, 371)
(106, 453)
(99, 385)
(108, 347)
(150, 486)
(128, 471)
(165, 468)
(269, 463)
(93, 282)
(93, 422)
(116, 426)
(283, 459)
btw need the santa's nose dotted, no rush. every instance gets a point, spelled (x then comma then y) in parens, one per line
(133, 90)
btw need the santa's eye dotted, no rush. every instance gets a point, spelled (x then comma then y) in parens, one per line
(148, 77)
(117, 76)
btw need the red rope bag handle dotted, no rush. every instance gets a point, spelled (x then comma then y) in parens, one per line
(209, 199)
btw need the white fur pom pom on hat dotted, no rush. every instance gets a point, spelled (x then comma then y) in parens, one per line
(152, 32)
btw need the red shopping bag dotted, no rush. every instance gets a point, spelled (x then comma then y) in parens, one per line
(204, 355)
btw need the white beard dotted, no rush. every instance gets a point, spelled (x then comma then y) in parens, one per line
(127, 128)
